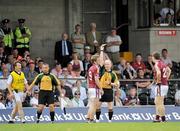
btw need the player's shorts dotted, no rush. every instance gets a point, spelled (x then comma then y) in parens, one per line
(18, 96)
(46, 97)
(161, 91)
(107, 96)
(93, 93)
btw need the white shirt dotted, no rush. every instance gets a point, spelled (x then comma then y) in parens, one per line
(64, 45)
(3, 83)
(114, 48)
(94, 35)
(33, 101)
(10, 79)
(2, 106)
(177, 95)
(165, 10)
(82, 91)
(77, 103)
(167, 61)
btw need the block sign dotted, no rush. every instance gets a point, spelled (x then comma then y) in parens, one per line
(167, 33)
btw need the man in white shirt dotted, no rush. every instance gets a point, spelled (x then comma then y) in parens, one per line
(165, 58)
(113, 46)
(169, 9)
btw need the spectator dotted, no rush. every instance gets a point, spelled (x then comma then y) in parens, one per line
(169, 9)
(113, 46)
(2, 106)
(57, 71)
(82, 90)
(138, 63)
(25, 68)
(9, 102)
(76, 101)
(121, 66)
(126, 70)
(77, 64)
(131, 99)
(141, 75)
(117, 100)
(165, 58)
(3, 56)
(129, 72)
(40, 65)
(34, 99)
(177, 98)
(5, 73)
(93, 38)
(78, 41)
(63, 51)
(86, 63)
(10, 63)
(16, 55)
(169, 19)
(8, 36)
(149, 67)
(157, 19)
(64, 78)
(87, 50)
(23, 35)
(67, 102)
(70, 68)
(36, 61)
(31, 73)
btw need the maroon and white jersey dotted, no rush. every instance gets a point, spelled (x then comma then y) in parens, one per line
(93, 74)
(163, 69)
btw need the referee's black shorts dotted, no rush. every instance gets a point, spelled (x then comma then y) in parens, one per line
(107, 96)
(46, 97)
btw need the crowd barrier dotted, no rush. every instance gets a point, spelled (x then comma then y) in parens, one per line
(78, 115)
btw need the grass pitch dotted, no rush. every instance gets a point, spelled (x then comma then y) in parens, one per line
(169, 126)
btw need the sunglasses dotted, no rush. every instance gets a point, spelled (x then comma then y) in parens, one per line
(77, 94)
(1, 94)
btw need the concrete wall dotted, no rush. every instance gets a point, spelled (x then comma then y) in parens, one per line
(45, 18)
(172, 43)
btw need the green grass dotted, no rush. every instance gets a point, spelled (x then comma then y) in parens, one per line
(169, 126)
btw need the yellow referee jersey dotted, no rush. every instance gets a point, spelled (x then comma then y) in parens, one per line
(46, 81)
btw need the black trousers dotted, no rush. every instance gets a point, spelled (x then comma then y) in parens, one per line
(64, 60)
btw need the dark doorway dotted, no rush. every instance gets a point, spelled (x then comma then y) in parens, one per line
(122, 22)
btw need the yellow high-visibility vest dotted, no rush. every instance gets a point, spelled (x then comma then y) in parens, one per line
(23, 40)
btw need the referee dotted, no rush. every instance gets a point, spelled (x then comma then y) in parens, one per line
(108, 80)
(46, 82)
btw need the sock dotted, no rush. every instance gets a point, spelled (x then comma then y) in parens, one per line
(98, 113)
(157, 117)
(38, 114)
(52, 113)
(110, 113)
(163, 118)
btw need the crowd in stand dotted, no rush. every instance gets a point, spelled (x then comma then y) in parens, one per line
(72, 60)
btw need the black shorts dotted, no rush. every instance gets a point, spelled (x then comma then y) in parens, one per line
(107, 96)
(46, 97)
